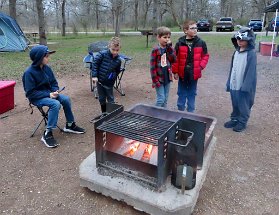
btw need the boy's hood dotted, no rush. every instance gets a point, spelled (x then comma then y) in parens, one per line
(37, 54)
(247, 34)
(183, 39)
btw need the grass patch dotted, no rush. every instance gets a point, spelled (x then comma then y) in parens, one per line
(72, 49)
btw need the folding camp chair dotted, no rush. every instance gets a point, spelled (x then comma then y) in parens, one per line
(44, 119)
(117, 85)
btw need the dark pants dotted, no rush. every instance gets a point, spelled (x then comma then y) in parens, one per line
(242, 103)
(186, 91)
(105, 94)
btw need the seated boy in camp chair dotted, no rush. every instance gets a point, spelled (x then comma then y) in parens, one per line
(41, 88)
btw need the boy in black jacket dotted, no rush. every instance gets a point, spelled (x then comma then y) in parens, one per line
(105, 69)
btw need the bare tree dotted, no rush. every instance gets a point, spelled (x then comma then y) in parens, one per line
(41, 22)
(116, 12)
(155, 18)
(57, 9)
(170, 4)
(136, 15)
(12, 8)
(147, 4)
(63, 18)
(97, 14)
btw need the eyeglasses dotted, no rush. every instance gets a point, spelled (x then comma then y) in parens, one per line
(193, 28)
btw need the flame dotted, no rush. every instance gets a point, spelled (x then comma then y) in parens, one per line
(132, 149)
(147, 152)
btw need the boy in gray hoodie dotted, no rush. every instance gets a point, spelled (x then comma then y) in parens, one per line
(242, 79)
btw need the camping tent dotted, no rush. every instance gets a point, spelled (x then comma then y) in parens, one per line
(12, 38)
(273, 7)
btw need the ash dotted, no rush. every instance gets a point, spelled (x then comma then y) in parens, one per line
(113, 170)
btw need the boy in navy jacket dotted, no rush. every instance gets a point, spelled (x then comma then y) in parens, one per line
(41, 88)
(105, 69)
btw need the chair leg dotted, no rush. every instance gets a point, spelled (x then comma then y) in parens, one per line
(44, 119)
(36, 128)
(60, 129)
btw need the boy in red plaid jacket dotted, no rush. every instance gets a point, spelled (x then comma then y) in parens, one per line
(161, 58)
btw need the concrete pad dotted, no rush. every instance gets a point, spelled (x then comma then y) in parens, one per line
(170, 201)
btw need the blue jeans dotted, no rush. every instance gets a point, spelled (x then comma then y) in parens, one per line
(54, 107)
(162, 94)
(186, 91)
(105, 93)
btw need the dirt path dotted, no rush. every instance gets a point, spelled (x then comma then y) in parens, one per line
(242, 179)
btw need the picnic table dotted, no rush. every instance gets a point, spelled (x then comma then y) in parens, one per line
(33, 35)
(146, 33)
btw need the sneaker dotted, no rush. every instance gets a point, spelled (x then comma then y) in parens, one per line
(74, 129)
(239, 127)
(230, 124)
(49, 140)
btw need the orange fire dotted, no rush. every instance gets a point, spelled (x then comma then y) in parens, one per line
(147, 152)
(132, 149)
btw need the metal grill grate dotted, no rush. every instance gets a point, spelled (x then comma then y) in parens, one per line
(137, 127)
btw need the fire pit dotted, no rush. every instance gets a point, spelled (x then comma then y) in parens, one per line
(151, 146)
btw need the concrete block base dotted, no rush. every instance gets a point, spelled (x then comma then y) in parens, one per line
(170, 201)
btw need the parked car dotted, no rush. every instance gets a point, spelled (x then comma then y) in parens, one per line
(225, 23)
(271, 24)
(255, 24)
(204, 25)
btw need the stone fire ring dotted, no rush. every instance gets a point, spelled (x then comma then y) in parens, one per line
(171, 201)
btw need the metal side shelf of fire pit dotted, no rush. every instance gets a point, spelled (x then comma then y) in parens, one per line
(150, 146)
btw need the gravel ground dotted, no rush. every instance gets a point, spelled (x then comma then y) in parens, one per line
(242, 179)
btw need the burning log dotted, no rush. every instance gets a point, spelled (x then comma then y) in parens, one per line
(132, 149)
(147, 153)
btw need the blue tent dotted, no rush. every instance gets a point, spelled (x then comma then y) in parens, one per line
(12, 38)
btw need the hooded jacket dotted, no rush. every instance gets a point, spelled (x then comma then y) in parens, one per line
(39, 82)
(250, 73)
(200, 57)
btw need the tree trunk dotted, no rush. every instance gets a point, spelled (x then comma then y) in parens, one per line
(41, 22)
(63, 18)
(147, 5)
(12, 8)
(57, 9)
(174, 16)
(136, 15)
(97, 14)
(117, 10)
(155, 19)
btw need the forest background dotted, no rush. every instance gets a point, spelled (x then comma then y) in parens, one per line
(74, 16)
